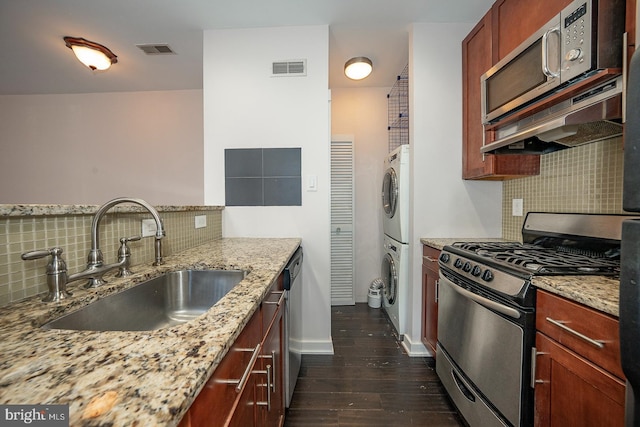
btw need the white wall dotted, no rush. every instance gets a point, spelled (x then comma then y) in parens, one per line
(362, 112)
(442, 204)
(90, 148)
(244, 107)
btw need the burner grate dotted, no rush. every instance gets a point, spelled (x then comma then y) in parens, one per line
(542, 260)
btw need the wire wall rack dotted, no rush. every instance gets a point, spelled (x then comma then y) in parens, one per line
(398, 111)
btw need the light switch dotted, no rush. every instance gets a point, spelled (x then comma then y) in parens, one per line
(312, 183)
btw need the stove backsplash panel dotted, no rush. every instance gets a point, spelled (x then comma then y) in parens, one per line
(584, 179)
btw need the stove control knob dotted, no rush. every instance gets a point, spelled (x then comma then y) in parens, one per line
(457, 263)
(466, 267)
(476, 271)
(487, 276)
(444, 257)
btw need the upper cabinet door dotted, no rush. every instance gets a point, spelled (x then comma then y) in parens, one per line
(476, 59)
(477, 53)
(513, 21)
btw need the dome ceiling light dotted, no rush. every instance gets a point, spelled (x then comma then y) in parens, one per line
(93, 55)
(358, 68)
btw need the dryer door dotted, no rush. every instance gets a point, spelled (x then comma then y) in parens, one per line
(389, 279)
(390, 192)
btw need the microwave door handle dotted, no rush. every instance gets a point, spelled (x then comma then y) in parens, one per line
(545, 53)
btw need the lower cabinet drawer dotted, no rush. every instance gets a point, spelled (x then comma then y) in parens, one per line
(271, 303)
(590, 333)
(430, 257)
(219, 397)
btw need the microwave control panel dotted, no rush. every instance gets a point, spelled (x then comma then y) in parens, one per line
(576, 39)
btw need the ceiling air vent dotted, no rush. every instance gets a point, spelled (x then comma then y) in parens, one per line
(156, 49)
(296, 67)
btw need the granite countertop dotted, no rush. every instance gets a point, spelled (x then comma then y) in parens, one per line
(598, 292)
(39, 209)
(154, 376)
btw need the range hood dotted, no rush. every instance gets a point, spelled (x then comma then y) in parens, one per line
(590, 116)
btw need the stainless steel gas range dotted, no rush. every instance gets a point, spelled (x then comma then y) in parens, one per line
(486, 309)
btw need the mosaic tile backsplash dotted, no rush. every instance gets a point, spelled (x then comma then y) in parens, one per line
(18, 234)
(584, 179)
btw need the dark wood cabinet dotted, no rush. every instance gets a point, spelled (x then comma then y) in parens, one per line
(244, 413)
(219, 399)
(510, 28)
(477, 54)
(271, 378)
(255, 362)
(430, 297)
(577, 382)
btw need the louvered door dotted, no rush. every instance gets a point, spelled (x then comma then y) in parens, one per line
(342, 221)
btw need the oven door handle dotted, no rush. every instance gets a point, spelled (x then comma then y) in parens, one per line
(486, 302)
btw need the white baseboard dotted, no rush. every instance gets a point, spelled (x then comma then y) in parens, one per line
(415, 348)
(316, 347)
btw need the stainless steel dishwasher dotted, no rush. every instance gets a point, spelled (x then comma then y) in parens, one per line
(292, 323)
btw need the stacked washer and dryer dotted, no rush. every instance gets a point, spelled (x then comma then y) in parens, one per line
(395, 257)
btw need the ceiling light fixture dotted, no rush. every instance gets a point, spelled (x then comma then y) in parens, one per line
(91, 54)
(358, 68)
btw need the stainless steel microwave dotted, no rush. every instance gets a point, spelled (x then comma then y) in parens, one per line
(585, 37)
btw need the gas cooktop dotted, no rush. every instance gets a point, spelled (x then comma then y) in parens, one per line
(540, 260)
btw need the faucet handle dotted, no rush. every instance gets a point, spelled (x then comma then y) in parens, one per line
(55, 266)
(125, 240)
(124, 256)
(56, 273)
(41, 253)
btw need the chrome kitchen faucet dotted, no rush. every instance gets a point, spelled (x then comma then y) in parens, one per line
(95, 258)
(57, 278)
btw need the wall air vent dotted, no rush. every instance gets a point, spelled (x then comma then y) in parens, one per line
(295, 67)
(156, 49)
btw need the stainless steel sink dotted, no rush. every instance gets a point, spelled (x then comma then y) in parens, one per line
(171, 299)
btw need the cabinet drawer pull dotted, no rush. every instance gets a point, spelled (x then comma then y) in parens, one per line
(273, 373)
(245, 375)
(272, 357)
(561, 325)
(428, 258)
(534, 354)
(279, 303)
(267, 372)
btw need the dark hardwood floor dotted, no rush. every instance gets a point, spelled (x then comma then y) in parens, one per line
(369, 381)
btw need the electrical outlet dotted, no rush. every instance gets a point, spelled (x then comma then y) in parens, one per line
(201, 221)
(516, 207)
(149, 228)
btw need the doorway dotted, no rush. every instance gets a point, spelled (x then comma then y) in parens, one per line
(342, 220)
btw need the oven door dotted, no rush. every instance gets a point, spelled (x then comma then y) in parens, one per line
(484, 348)
(528, 72)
